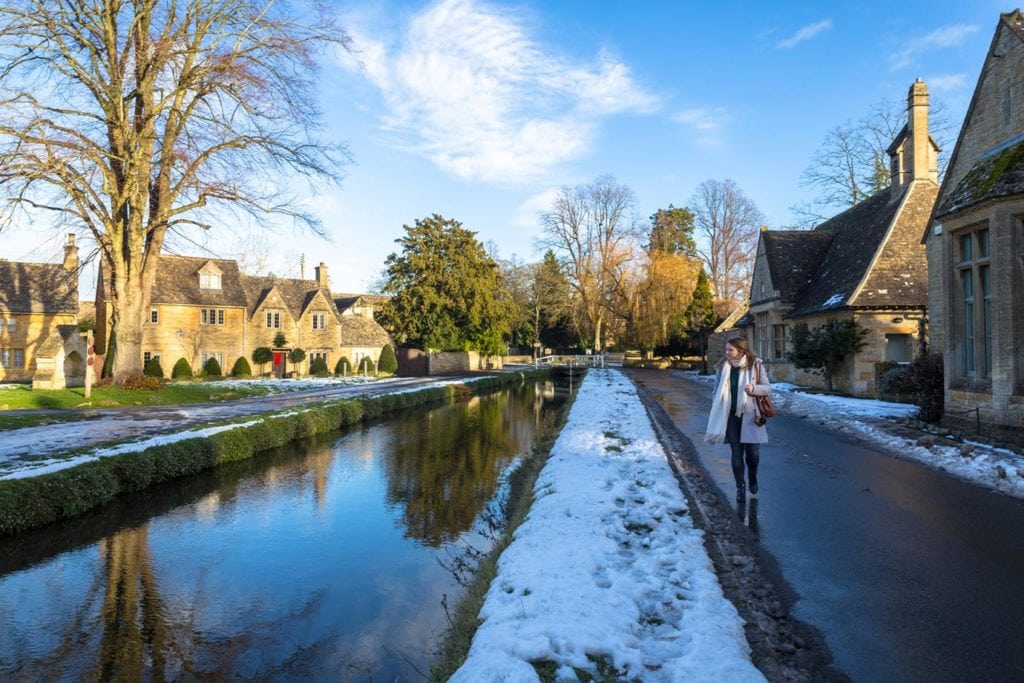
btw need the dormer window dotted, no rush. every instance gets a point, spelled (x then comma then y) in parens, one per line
(209, 280)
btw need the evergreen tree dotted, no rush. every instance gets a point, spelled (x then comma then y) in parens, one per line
(388, 364)
(343, 366)
(700, 319)
(153, 369)
(211, 368)
(446, 292)
(241, 368)
(318, 368)
(181, 369)
(262, 355)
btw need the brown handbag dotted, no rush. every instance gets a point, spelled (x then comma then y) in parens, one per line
(764, 403)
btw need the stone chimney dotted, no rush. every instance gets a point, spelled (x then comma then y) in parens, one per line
(914, 156)
(321, 276)
(70, 254)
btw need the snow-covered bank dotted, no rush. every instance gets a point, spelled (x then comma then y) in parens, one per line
(866, 419)
(608, 563)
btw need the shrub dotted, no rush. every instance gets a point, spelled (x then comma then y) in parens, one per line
(241, 368)
(366, 365)
(388, 361)
(929, 388)
(262, 355)
(142, 383)
(153, 368)
(181, 369)
(211, 368)
(343, 366)
(296, 355)
(280, 340)
(894, 379)
(319, 367)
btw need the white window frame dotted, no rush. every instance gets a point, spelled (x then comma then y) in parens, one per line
(154, 315)
(273, 316)
(209, 281)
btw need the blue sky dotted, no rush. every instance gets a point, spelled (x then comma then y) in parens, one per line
(479, 111)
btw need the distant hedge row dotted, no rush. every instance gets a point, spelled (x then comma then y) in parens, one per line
(35, 501)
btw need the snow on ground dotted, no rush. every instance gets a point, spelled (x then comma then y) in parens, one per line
(870, 420)
(34, 468)
(608, 563)
(281, 386)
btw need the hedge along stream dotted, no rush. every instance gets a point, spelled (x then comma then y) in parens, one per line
(36, 501)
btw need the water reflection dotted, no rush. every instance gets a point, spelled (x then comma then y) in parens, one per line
(316, 562)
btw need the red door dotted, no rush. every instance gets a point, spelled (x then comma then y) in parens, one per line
(279, 363)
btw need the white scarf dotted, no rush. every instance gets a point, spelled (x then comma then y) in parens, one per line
(718, 420)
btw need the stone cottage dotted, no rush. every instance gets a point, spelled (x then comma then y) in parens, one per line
(866, 264)
(206, 308)
(975, 247)
(38, 310)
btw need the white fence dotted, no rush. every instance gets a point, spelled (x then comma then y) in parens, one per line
(602, 360)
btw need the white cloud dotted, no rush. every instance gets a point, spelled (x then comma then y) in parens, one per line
(527, 215)
(805, 33)
(467, 87)
(943, 37)
(704, 122)
(947, 82)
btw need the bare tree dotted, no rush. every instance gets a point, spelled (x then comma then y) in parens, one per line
(138, 120)
(591, 227)
(852, 162)
(727, 227)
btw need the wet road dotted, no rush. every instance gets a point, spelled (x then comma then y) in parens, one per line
(910, 574)
(119, 424)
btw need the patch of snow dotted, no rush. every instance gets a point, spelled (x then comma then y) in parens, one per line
(280, 386)
(608, 563)
(833, 300)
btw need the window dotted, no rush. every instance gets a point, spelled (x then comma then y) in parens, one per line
(12, 324)
(313, 355)
(211, 316)
(762, 334)
(274, 319)
(148, 356)
(209, 280)
(897, 348)
(319, 321)
(780, 342)
(974, 308)
(154, 317)
(207, 355)
(12, 359)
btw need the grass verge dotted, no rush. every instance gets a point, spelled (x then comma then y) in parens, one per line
(464, 622)
(36, 501)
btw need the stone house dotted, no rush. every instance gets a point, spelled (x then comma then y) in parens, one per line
(866, 264)
(38, 308)
(206, 308)
(975, 247)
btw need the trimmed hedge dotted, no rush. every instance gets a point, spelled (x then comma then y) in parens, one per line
(388, 363)
(153, 368)
(211, 368)
(35, 501)
(181, 369)
(318, 368)
(241, 368)
(366, 365)
(343, 366)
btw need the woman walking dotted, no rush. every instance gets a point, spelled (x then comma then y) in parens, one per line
(734, 417)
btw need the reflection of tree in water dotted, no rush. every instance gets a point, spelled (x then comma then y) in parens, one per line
(444, 466)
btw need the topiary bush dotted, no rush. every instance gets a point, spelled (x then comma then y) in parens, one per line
(153, 368)
(241, 368)
(343, 366)
(296, 356)
(929, 387)
(366, 365)
(388, 361)
(262, 355)
(181, 370)
(211, 368)
(318, 367)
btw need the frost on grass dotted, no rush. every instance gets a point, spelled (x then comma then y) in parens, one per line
(607, 575)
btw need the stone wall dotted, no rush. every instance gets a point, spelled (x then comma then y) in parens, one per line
(30, 333)
(461, 362)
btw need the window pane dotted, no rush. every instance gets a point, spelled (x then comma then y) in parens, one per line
(220, 316)
(897, 348)
(19, 358)
(983, 242)
(986, 321)
(966, 253)
(967, 287)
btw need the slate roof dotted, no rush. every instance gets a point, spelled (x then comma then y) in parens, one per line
(177, 282)
(857, 234)
(998, 175)
(37, 288)
(359, 331)
(793, 257)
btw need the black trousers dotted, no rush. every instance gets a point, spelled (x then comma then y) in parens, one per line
(752, 451)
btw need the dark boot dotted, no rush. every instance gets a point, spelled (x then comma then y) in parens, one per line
(753, 482)
(741, 492)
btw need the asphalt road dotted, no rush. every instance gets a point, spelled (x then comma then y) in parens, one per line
(119, 424)
(910, 574)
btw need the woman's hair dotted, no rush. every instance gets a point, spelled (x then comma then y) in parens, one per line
(741, 345)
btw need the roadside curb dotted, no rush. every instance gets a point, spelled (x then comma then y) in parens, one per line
(783, 648)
